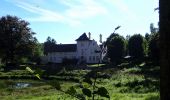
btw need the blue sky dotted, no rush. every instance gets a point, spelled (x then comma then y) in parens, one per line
(66, 20)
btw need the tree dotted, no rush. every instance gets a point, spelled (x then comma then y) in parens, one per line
(116, 48)
(16, 39)
(154, 49)
(136, 46)
(38, 52)
(164, 23)
(147, 36)
(152, 28)
(146, 43)
(49, 45)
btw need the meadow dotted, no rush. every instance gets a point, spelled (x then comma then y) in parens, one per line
(123, 82)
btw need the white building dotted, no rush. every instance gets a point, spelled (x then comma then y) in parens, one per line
(86, 50)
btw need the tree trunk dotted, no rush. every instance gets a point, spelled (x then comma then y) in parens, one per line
(164, 25)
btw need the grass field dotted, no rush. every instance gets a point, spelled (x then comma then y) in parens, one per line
(123, 82)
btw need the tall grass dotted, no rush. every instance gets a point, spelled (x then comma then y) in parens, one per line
(123, 83)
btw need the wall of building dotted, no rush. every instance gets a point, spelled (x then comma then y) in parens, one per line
(85, 51)
(57, 57)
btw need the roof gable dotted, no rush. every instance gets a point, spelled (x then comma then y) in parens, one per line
(65, 48)
(83, 37)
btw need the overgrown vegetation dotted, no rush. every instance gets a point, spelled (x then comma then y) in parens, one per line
(124, 82)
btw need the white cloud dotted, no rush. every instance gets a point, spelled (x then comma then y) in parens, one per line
(83, 9)
(75, 12)
(43, 14)
(123, 7)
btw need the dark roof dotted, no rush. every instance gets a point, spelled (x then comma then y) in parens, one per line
(65, 48)
(83, 37)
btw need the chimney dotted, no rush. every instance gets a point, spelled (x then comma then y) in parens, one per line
(89, 35)
(100, 38)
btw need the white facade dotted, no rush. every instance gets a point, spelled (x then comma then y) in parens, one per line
(85, 50)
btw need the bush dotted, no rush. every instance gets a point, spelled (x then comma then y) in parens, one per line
(116, 48)
(11, 66)
(136, 46)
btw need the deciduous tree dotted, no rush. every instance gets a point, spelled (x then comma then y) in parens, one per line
(49, 45)
(116, 48)
(136, 46)
(16, 39)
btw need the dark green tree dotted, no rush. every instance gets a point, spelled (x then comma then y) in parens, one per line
(136, 46)
(152, 28)
(153, 44)
(154, 50)
(16, 39)
(38, 53)
(116, 48)
(147, 36)
(49, 45)
(126, 43)
(146, 43)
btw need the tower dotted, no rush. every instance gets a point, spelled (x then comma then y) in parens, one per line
(89, 35)
(100, 36)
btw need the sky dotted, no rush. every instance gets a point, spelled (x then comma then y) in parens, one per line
(66, 20)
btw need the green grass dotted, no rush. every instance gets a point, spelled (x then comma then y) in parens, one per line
(126, 82)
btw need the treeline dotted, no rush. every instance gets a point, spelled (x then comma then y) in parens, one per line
(19, 45)
(135, 47)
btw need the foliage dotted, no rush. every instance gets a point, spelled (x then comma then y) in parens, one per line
(38, 52)
(136, 46)
(91, 89)
(101, 91)
(49, 45)
(147, 37)
(153, 43)
(35, 73)
(154, 50)
(16, 39)
(153, 29)
(116, 47)
(127, 82)
(146, 43)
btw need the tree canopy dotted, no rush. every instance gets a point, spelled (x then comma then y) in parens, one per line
(48, 45)
(136, 46)
(16, 39)
(116, 47)
(153, 44)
